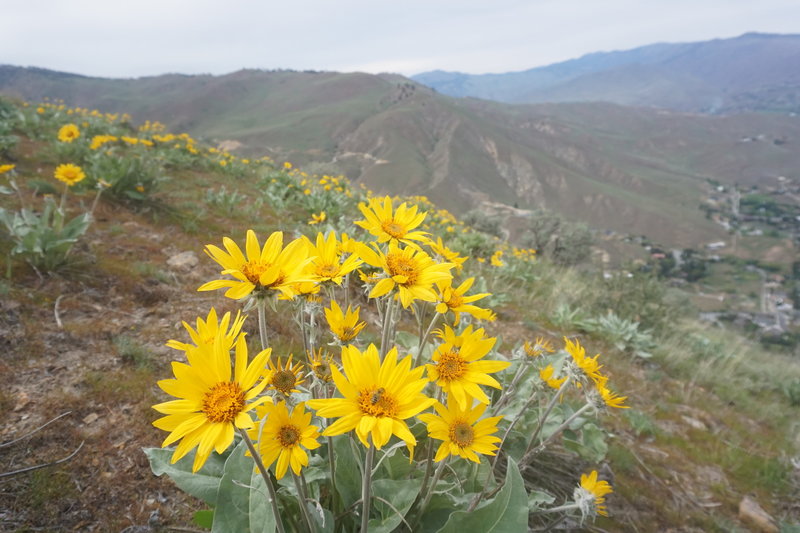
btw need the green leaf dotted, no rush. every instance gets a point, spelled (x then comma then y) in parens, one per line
(202, 484)
(204, 518)
(233, 496)
(537, 498)
(348, 472)
(590, 443)
(400, 494)
(262, 520)
(506, 513)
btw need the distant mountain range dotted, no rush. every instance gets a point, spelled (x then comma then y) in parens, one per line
(633, 170)
(753, 72)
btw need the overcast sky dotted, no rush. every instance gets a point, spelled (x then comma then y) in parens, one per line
(114, 38)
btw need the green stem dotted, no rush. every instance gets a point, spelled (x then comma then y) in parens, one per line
(261, 305)
(549, 408)
(273, 496)
(301, 499)
(509, 390)
(429, 494)
(530, 453)
(366, 482)
(387, 324)
(424, 339)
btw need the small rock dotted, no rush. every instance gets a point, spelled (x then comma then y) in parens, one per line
(184, 261)
(695, 423)
(752, 514)
(91, 417)
(22, 401)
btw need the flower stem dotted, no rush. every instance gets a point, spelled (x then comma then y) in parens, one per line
(366, 493)
(429, 493)
(546, 414)
(387, 325)
(507, 393)
(424, 339)
(273, 496)
(532, 452)
(301, 499)
(261, 305)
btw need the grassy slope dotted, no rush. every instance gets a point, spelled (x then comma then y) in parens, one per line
(613, 167)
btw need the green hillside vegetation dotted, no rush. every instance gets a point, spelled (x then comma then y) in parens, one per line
(628, 170)
(85, 316)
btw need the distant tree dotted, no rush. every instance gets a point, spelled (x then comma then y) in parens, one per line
(566, 243)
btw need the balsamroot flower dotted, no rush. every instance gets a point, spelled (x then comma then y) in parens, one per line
(211, 402)
(68, 133)
(457, 366)
(209, 329)
(285, 378)
(461, 432)
(6, 168)
(590, 495)
(69, 174)
(327, 264)
(284, 436)
(390, 225)
(455, 299)
(377, 397)
(272, 267)
(345, 326)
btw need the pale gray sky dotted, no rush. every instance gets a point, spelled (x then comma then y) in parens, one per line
(150, 37)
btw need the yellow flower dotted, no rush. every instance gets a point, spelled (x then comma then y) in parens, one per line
(495, 259)
(454, 299)
(317, 219)
(129, 140)
(539, 347)
(285, 378)
(447, 254)
(209, 329)
(457, 367)
(287, 165)
(546, 374)
(345, 326)
(272, 267)
(68, 133)
(389, 226)
(593, 492)
(211, 402)
(461, 432)
(284, 436)
(588, 365)
(6, 168)
(327, 264)
(69, 174)
(608, 397)
(411, 271)
(321, 364)
(377, 397)
(100, 140)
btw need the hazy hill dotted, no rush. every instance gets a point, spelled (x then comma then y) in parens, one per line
(625, 169)
(751, 72)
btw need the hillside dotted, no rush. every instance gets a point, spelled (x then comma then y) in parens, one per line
(712, 417)
(753, 72)
(622, 169)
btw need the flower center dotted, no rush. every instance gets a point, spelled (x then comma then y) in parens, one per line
(394, 229)
(223, 402)
(455, 301)
(348, 333)
(252, 270)
(451, 366)
(377, 402)
(400, 265)
(462, 434)
(288, 436)
(284, 381)
(327, 271)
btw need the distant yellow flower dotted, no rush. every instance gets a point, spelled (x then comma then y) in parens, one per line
(69, 174)
(588, 365)
(458, 367)
(223, 163)
(455, 300)
(546, 374)
(539, 347)
(390, 225)
(377, 397)
(345, 326)
(495, 259)
(68, 133)
(129, 140)
(209, 329)
(100, 140)
(6, 168)
(461, 432)
(321, 363)
(284, 436)
(285, 378)
(287, 165)
(317, 218)
(410, 271)
(211, 403)
(447, 254)
(327, 264)
(272, 267)
(40, 110)
(591, 493)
